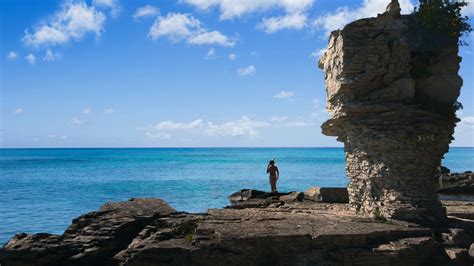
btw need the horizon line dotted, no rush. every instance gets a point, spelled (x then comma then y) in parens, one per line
(197, 147)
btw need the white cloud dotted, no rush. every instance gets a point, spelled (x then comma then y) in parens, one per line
(18, 111)
(145, 12)
(108, 110)
(12, 55)
(469, 9)
(467, 121)
(230, 9)
(320, 112)
(284, 95)
(72, 22)
(50, 56)
(318, 53)
(294, 21)
(298, 124)
(172, 126)
(279, 119)
(31, 58)
(76, 120)
(294, 11)
(232, 56)
(211, 54)
(178, 26)
(244, 127)
(343, 15)
(174, 26)
(245, 71)
(87, 110)
(212, 37)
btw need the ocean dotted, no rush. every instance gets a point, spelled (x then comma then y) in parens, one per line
(42, 190)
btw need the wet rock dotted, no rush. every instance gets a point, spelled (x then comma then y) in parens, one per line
(327, 194)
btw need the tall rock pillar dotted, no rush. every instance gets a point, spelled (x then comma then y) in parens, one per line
(392, 104)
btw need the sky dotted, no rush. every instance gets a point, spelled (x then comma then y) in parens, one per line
(185, 73)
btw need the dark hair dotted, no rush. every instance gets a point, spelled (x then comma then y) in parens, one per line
(271, 162)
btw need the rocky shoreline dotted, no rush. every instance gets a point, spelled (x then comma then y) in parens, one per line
(258, 228)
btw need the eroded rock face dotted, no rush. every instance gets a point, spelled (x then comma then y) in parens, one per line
(150, 232)
(378, 81)
(91, 239)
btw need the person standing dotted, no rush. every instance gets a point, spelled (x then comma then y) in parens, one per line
(272, 170)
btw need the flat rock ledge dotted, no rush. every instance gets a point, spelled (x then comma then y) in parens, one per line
(290, 230)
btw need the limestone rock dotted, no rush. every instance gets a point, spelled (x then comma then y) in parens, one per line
(293, 196)
(393, 9)
(381, 88)
(471, 254)
(245, 194)
(91, 238)
(150, 232)
(327, 194)
(458, 256)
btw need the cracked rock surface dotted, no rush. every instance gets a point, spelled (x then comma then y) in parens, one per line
(293, 232)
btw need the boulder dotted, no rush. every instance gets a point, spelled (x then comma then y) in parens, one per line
(293, 196)
(327, 194)
(465, 187)
(443, 170)
(245, 194)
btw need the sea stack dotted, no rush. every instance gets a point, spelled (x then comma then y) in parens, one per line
(392, 96)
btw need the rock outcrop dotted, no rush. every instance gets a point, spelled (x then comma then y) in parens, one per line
(150, 232)
(91, 239)
(456, 183)
(392, 102)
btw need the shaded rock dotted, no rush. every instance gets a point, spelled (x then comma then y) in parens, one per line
(443, 170)
(458, 237)
(327, 194)
(458, 256)
(471, 254)
(463, 187)
(245, 194)
(293, 196)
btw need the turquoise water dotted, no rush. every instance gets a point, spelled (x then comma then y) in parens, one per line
(42, 190)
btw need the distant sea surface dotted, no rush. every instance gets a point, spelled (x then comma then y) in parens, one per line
(42, 190)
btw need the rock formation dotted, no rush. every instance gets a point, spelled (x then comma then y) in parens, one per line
(289, 231)
(392, 104)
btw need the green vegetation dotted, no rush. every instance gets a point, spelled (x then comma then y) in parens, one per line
(186, 229)
(443, 22)
(378, 214)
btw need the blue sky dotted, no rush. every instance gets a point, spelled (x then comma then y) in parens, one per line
(122, 73)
